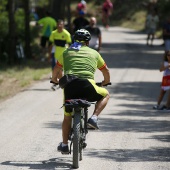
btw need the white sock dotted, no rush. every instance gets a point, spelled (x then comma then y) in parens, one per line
(64, 144)
(94, 117)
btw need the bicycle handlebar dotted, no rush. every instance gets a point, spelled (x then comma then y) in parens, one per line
(98, 83)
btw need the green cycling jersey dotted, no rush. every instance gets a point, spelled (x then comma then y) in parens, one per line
(82, 63)
(49, 24)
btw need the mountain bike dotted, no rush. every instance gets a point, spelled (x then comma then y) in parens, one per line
(79, 130)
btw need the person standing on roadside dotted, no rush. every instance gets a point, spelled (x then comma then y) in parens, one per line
(152, 21)
(48, 25)
(165, 68)
(166, 79)
(96, 38)
(59, 41)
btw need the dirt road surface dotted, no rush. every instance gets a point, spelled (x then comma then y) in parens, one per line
(132, 135)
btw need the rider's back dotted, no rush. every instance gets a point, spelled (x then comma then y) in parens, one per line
(82, 62)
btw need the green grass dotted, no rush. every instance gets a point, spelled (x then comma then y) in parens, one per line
(25, 73)
(16, 78)
(137, 21)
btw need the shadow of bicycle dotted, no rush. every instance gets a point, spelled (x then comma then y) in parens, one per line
(54, 163)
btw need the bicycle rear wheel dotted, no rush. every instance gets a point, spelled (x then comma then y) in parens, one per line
(80, 147)
(76, 140)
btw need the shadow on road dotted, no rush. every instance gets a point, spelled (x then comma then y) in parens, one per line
(132, 125)
(117, 155)
(134, 155)
(59, 163)
(132, 55)
(162, 138)
(136, 91)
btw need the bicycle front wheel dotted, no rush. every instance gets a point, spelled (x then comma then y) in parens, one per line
(76, 140)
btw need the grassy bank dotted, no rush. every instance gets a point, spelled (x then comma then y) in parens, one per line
(17, 78)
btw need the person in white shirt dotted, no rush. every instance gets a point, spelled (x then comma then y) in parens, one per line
(96, 38)
(152, 21)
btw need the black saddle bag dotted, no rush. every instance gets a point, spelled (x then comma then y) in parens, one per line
(66, 79)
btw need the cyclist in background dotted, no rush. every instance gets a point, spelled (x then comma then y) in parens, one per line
(81, 6)
(81, 61)
(107, 8)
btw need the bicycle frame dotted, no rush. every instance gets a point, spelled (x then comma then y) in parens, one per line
(78, 128)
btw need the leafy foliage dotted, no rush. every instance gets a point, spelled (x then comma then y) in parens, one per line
(3, 4)
(3, 19)
(42, 3)
(163, 8)
(4, 24)
(19, 19)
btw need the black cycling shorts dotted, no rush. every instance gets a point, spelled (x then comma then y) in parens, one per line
(84, 89)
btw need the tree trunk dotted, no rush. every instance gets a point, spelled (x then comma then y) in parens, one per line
(68, 11)
(61, 10)
(27, 30)
(12, 34)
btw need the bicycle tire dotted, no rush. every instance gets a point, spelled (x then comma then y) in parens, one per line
(76, 140)
(81, 146)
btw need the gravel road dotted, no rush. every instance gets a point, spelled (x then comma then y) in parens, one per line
(132, 135)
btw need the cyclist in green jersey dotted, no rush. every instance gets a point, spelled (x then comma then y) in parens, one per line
(81, 61)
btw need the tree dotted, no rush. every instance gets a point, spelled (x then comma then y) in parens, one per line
(58, 9)
(3, 31)
(27, 29)
(12, 36)
(61, 10)
(69, 15)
